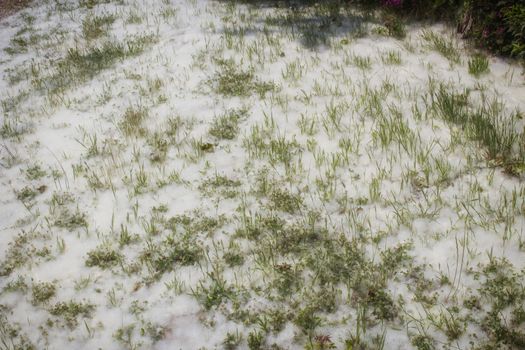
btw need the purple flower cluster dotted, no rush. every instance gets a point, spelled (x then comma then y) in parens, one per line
(393, 3)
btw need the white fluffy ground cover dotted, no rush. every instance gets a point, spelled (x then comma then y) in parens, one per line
(191, 174)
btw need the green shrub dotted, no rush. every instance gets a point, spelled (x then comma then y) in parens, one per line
(496, 26)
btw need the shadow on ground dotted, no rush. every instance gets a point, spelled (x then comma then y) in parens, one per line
(312, 23)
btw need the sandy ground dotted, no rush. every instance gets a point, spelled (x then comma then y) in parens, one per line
(190, 174)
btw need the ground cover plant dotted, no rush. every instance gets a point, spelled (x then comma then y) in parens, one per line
(202, 174)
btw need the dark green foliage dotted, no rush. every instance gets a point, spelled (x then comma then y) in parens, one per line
(496, 25)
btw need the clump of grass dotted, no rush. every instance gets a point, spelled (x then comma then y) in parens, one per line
(230, 80)
(35, 172)
(286, 279)
(226, 126)
(88, 62)
(445, 46)
(159, 147)
(478, 65)
(71, 310)
(17, 285)
(132, 121)
(255, 340)
(13, 129)
(285, 201)
(173, 251)
(42, 292)
(104, 257)
(133, 17)
(278, 149)
(222, 185)
(26, 194)
(89, 4)
(232, 341)
(383, 307)
(20, 44)
(94, 27)
(485, 124)
(70, 220)
(362, 62)
(233, 256)
(195, 224)
(422, 342)
(392, 58)
(212, 292)
(20, 251)
(307, 320)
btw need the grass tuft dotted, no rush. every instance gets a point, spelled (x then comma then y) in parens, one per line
(445, 46)
(478, 65)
